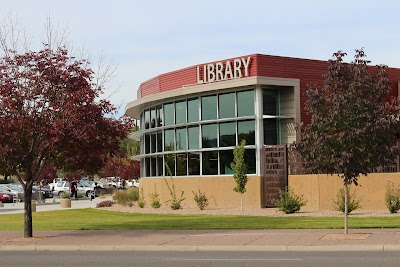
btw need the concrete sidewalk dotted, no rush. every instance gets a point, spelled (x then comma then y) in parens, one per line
(201, 240)
(193, 240)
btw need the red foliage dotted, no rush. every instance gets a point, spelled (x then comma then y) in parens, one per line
(47, 174)
(121, 167)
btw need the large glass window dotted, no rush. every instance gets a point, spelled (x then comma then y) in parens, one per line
(193, 136)
(180, 108)
(226, 105)
(181, 139)
(153, 168)
(209, 135)
(147, 143)
(250, 160)
(227, 134)
(194, 163)
(245, 103)
(159, 116)
(246, 131)
(181, 164)
(147, 119)
(159, 141)
(169, 114)
(193, 110)
(271, 130)
(270, 102)
(147, 167)
(210, 162)
(169, 165)
(153, 142)
(169, 140)
(153, 118)
(160, 165)
(225, 160)
(209, 107)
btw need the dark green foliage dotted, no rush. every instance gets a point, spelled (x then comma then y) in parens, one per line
(392, 198)
(105, 203)
(239, 167)
(201, 200)
(289, 202)
(354, 203)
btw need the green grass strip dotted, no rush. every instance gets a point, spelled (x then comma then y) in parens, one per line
(93, 219)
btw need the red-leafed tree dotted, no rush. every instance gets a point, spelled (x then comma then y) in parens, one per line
(121, 167)
(47, 174)
(51, 112)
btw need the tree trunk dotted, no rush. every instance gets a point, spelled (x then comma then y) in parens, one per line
(28, 210)
(241, 201)
(346, 208)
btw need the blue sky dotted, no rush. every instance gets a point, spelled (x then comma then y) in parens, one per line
(148, 38)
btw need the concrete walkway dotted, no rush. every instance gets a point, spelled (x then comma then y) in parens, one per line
(194, 240)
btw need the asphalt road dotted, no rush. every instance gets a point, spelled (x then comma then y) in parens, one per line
(211, 259)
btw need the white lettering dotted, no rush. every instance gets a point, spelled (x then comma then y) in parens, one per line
(237, 72)
(219, 67)
(228, 70)
(221, 71)
(246, 64)
(211, 74)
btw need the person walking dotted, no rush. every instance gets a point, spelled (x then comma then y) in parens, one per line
(74, 189)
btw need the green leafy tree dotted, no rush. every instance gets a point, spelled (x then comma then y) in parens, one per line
(239, 167)
(353, 126)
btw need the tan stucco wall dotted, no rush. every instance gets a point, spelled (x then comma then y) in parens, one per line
(320, 189)
(219, 190)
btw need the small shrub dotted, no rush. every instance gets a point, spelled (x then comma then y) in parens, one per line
(175, 202)
(126, 197)
(102, 196)
(201, 200)
(339, 203)
(141, 202)
(64, 195)
(289, 202)
(155, 199)
(392, 198)
(105, 203)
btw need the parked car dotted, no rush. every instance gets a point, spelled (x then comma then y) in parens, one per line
(12, 188)
(63, 186)
(6, 197)
(108, 182)
(46, 191)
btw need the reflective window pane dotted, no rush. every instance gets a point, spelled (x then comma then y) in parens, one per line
(169, 142)
(245, 103)
(194, 163)
(209, 107)
(153, 167)
(159, 141)
(193, 136)
(181, 139)
(271, 131)
(209, 135)
(153, 118)
(147, 143)
(159, 116)
(226, 105)
(250, 160)
(169, 165)
(160, 165)
(193, 110)
(147, 167)
(181, 164)
(225, 160)
(246, 131)
(270, 102)
(169, 114)
(227, 134)
(210, 163)
(153, 143)
(147, 119)
(180, 112)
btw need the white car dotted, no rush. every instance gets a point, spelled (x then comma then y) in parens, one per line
(63, 186)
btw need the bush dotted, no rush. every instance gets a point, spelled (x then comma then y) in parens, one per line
(141, 202)
(126, 197)
(201, 200)
(64, 195)
(354, 203)
(289, 202)
(105, 203)
(155, 200)
(392, 198)
(175, 201)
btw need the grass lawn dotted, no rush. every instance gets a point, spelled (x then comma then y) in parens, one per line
(93, 219)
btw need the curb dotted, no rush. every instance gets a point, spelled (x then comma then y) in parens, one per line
(203, 248)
